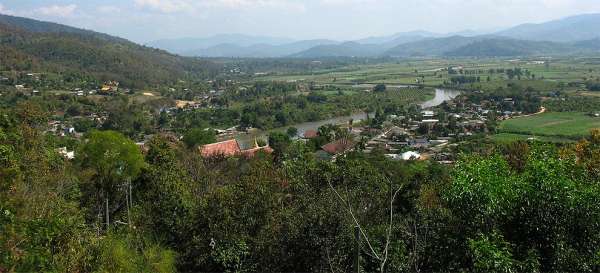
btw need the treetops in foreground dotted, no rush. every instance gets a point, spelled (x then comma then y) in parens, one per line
(525, 207)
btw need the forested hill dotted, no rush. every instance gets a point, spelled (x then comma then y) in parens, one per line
(30, 45)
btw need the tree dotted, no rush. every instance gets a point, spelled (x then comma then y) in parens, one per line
(292, 132)
(112, 160)
(165, 191)
(491, 254)
(379, 88)
(197, 137)
(279, 142)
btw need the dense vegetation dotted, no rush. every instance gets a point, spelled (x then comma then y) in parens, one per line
(78, 54)
(525, 207)
(138, 197)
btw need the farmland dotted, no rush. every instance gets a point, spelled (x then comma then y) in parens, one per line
(543, 74)
(550, 126)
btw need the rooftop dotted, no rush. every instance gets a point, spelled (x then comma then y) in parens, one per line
(225, 148)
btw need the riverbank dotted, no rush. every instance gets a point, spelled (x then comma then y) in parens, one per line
(247, 139)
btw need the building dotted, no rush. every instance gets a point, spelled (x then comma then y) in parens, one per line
(419, 143)
(411, 156)
(231, 148)
(339, 146)
(428, 114)
(66, 154)
(224, 148)
(251, 153)
(310, 134)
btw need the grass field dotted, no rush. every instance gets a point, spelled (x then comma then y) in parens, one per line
(551, 126)
(508, 137)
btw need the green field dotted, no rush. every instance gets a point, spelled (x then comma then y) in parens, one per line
(552, 77)
(551, 126)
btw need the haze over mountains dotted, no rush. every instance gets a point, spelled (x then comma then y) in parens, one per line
(570, 35)
(53, 47)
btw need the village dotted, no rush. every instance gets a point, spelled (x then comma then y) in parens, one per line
(429, 132)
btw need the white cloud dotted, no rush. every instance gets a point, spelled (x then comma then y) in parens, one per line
(57, 10)
(166, 6)
(285, 4)
(4, 10)
(174, 6)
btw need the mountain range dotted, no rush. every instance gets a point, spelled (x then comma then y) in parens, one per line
(570, 35)
(31, 45)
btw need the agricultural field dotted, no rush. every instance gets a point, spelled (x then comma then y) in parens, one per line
(551, 126)
(542, 74)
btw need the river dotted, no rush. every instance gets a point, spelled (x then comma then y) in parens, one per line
(247, 140)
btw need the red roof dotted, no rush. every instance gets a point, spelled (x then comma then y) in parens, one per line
(225, 148)
(250, 153)
(338, 146)
(311, 134)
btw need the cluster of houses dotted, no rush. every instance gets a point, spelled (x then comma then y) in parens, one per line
(428, 135)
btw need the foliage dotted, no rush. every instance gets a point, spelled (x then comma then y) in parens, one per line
(197, 137)
(80, 54)
(491, 254)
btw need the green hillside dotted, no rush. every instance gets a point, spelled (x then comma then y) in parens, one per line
(47, 47)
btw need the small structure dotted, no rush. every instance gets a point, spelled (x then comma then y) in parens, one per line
(339, 146)
(69, 130)
(430, 121)
(66, 154)
(310, 134)
(419, 143)
(251, 153)
(411, 156)
(428, 114)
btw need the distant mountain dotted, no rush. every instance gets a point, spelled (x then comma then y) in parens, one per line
(258, 50)
(496, 47)
(31, 45)
(593, 44)
(186, 45)
(571, 29)
(348, 49)
(454, 46)
(431, 47)
(399, 37)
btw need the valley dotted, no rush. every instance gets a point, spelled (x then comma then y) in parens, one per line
(469, 151)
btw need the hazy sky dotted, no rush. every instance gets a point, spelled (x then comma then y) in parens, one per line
(144, 20)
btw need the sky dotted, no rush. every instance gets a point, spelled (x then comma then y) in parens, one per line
(148, 20)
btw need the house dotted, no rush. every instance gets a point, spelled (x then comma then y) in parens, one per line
(310, 134)
(428, 114)
(411, 156)
(419, 143)
(66, 154)
(70, 130)
(430, 121)
(110, 87)
(232, 148)
(224, 148)
(339, 146)
(251, 153)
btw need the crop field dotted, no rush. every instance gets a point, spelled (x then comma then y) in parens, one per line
(548, 76)
(563, 125)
